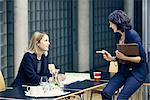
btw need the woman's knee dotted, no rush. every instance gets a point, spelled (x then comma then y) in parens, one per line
(106, 95)
(122, 97)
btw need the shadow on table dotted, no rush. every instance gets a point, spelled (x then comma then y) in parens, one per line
(17, 92)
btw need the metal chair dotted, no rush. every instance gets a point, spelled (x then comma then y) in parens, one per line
(2, 82)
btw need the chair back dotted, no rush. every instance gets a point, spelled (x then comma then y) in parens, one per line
(2, 82)
(51, 67)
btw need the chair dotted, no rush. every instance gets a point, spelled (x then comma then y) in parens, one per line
(2, 82)
(51, 67)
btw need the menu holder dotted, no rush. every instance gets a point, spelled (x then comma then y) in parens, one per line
(73, 77)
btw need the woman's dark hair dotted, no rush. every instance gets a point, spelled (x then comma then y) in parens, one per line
(121, 19)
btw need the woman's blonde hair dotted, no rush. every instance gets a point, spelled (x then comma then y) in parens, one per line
(36, 37)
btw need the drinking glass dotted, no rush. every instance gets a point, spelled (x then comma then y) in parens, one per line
(43, 80)
(44, 83)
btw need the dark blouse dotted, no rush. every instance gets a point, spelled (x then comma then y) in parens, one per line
(139, 70)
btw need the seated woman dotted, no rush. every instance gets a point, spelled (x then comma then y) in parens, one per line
(35, 62)
(132, 70)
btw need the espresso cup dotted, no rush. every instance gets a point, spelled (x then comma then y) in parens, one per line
(97, 76)
(34, 90)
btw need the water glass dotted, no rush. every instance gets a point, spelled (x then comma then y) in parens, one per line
(43, 80)
(44, 83)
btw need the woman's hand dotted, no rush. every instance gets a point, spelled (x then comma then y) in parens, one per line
(120, 55)
(107, 56)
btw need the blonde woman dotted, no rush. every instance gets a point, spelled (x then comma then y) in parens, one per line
(35, 61)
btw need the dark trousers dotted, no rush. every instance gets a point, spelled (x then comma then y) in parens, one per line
(129, 83)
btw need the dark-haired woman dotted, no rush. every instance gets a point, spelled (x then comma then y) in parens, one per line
(131, 75)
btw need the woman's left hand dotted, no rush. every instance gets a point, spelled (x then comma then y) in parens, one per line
(120, 55)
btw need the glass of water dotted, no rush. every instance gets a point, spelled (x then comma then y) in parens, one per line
(43, 80)
(44, 83)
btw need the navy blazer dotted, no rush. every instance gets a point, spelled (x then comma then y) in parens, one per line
(27, 74)
(139, 70)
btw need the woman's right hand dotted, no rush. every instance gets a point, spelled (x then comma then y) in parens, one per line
(107, 56)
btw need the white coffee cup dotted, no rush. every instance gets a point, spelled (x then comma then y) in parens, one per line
(34, 90)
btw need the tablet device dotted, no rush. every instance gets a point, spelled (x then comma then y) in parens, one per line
(129, 49)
